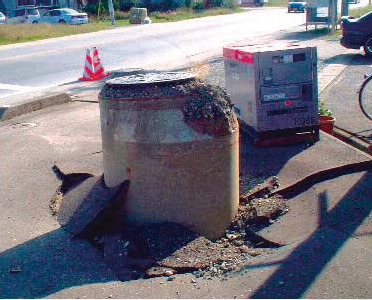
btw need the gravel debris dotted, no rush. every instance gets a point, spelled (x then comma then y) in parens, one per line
(160, 271)
(209, 109)
(167, 249)
(116, 89)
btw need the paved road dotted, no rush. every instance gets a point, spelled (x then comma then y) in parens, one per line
(56, 61)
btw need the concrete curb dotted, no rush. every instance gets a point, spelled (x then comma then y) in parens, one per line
(352, 140)
(10, 111)
(328, 75)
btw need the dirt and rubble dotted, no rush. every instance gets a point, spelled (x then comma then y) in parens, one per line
(166, 249)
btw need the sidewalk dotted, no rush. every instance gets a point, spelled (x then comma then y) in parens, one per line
(342, 98)
(327, 231)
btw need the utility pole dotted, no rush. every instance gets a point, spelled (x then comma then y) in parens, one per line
(345, 8)
(332, 13)
(112, 12)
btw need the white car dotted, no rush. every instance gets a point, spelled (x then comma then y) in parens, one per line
(24, 15)
(64, 16)
(2, 18)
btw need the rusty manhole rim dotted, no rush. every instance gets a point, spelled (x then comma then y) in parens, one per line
(152, 79)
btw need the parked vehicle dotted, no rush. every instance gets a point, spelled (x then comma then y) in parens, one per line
(45, 8)
(256, 3)
(357, 33)
(24, 15)
(64, 16)
(297, 7)
(2, 18)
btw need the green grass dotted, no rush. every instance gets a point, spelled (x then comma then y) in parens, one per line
(325, 33)
(18, 33)
(358, 12)
(280, 3)
(184, 14)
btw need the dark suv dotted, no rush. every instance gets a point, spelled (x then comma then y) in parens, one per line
(357, 33)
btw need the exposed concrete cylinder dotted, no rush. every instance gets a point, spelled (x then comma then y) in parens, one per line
(181, 169)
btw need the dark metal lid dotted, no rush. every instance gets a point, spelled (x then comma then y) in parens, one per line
(151, 78)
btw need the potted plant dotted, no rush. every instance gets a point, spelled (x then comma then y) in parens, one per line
(326, 119)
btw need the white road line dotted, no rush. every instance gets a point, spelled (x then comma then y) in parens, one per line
(15, 87)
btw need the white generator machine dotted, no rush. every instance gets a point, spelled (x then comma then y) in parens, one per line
(274, 89)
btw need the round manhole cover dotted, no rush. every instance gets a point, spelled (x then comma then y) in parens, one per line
(152, 78)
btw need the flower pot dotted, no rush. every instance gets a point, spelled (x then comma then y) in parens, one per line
(326, 123)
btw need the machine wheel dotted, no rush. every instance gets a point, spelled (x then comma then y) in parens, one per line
(35, 22)
(365, 97)
(62, 21)
(368, 47)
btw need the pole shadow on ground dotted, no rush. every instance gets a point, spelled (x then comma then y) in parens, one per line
(305, 35)
(48, 264)
(350, 59)
(300, 269)
(365, 134)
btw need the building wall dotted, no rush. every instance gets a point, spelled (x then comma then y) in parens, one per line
(9, 5)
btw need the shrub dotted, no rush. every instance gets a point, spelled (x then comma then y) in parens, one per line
(121, 15)
(153, 7)
(323, 110)
(91, 9)
(232, 4)
(198, 6)
(217, 3)
(168, 5)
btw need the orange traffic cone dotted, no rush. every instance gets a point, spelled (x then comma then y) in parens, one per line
(88, 74)
(99, 71)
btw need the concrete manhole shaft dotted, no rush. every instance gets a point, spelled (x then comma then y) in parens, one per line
(176, 139)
